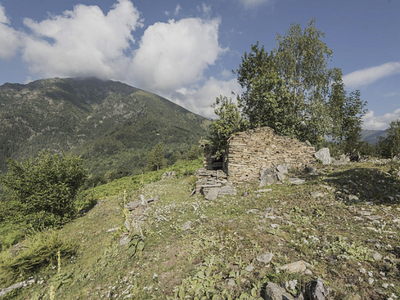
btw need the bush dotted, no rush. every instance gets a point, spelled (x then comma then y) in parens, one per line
(39, 252)
(45, 188)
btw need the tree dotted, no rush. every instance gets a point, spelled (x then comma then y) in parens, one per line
(346, 113)
(287, 89)
(390, 146)
(155, 159)
(230, 121)
(44, 188)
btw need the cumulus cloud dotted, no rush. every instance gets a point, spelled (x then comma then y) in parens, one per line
(10, 39)
(177, 9)
(200, 100)
(82, 42)
(176, 54)
(379, 122)
(254, 3)
(370, 75)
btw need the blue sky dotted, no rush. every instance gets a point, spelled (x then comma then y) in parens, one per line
(186, 50)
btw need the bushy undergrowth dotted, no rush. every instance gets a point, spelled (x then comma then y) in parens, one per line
(37, 253)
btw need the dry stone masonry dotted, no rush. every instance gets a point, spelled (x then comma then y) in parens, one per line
(254, 150)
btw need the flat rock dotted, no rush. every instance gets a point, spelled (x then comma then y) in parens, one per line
(212, 194)
(132, 205)
(296, 180)
(265, 258)
(187, 225)
(295, 267)
(317, 194)
(227, 190)
(275, 292)
(324, 156)
(282, 169)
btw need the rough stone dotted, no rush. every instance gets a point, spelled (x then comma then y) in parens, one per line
(265, 258)
(212, 194)
(310, 170)
(267, 180)
(317, 194)
(316, 290)
(275, 292)
(296, 181)
(132, 205)
(227, 190)
(187, 225)
(283, 169)
(376, 256)
(295, 267)
(280, 176)
(324, 156)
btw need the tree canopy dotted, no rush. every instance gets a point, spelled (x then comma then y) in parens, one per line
(43, 189)
(292, 90)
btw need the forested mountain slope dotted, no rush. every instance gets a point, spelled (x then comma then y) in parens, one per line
(111, 124)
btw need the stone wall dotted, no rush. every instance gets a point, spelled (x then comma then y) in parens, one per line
(251, 151)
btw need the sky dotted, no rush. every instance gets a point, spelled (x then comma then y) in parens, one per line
(186, 50)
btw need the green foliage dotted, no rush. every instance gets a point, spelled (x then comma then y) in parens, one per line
(37, 253)
(230, 121)
(390, 146)
(292, 90)
(156, 159)
(42, 190)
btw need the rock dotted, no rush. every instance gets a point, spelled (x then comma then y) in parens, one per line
(280, 176)
(296, 181)
(324, 156)
(308, 272)
(227, 190)
(212, 194)
(249, 268)
(13, 287)
(231, 283)
(283, 169)
(275, 292)
(353, 198)
(125, 239)
(112, 229)
(187, 225)
(127, 225)
(316, 290)
(265, 258)
(317, 194)
(295, 267)
(376, 256)
(291, 285)
(264, 191)
(132, 205)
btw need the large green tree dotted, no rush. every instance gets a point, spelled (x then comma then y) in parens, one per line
(155, 158)
(390, 146)
(43, 189)
(292, 90)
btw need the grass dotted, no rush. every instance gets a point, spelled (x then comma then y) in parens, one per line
(335, 233)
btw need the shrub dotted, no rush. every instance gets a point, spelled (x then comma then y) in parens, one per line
(44, 188)
(39, 252)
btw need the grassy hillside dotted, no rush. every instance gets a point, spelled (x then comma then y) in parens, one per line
(112, 125)
(343, 223)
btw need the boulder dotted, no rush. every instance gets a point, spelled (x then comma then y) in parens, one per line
(295, 267)
(316, 290)
(212, 194)
(324, 156)
(275, 292)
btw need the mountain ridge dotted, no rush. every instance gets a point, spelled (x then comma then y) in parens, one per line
(102, 120)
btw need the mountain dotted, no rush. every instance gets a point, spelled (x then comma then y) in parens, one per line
(373, 136)
(111, 124)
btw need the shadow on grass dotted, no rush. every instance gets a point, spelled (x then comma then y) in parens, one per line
(367, 184)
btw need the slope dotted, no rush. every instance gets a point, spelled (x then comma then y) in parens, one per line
(112, 125)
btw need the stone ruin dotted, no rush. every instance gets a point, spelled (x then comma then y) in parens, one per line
(248, 156)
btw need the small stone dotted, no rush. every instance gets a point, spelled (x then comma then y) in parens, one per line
(317, 195)
(308, 272)
(275, 226)
(370, 280)
(231, 282)
(376, 256)
(264, 191)
(187, 225)
(385, 285)
(296, 181)
(353, 198)
(249, 268)
(295, 267)
(265, 258)
(283, 169)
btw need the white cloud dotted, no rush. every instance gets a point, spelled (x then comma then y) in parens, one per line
(10, 39)
(177, 9)
(370, 75)
(392, 94)
(82, 42)
(254, 3)
(200, 100)
(175, 54)
(379, 122)
(205, 10)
